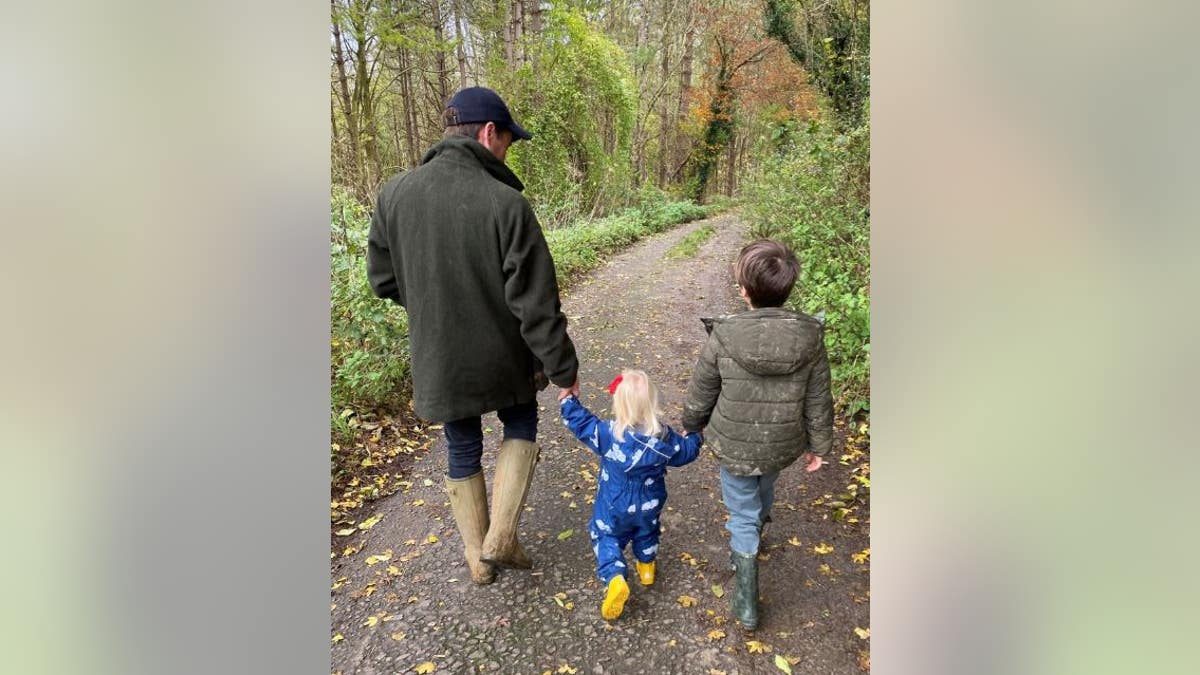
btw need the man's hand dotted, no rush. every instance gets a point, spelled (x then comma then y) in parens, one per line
(572, 390)
(811, 462)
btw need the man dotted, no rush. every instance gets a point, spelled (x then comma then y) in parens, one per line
(456, 244)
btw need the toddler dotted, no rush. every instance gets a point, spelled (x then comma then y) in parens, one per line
(635, 450)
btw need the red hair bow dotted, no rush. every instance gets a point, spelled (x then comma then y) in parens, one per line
(612, 386)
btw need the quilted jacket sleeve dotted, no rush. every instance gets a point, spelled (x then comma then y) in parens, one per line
(818, 404)
(703, 389)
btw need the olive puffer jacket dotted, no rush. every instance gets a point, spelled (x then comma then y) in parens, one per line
(761, 386)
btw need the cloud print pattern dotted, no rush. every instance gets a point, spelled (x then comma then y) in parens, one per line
(632, 486)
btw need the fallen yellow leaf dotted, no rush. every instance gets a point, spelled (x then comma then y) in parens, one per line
(398, 636)
(346, 532)
(427, 667)
(861, 558)
(757, 647)
(823, 548)
(718, 591)
(566, 668)
(393, 570)
(863, 633)
(782, 664)
(371, 621)
(687, 600)
(419, 502)
(338, 638)
(431, 539)
(715, 634)
(379, 557)
(794, 541)
(370, 522)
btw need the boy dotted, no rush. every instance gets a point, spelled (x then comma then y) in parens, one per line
(761, 385)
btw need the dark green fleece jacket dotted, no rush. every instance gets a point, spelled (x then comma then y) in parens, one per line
(761, 386)
(456, 244)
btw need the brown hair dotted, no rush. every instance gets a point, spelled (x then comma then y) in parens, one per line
(470, 130)
(767, 270)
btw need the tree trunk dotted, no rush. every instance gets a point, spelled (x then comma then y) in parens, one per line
(347, 102)
(460, 39)
(410, 113)
(515, 9)
(731, 158)
(685, 88)
(664, 121)
(439, 55)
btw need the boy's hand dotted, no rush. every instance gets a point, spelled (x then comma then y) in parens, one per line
(811, 462)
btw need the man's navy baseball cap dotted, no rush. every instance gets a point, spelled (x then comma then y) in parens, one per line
(480, 104)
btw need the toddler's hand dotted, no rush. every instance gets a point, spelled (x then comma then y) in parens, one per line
(811, 462)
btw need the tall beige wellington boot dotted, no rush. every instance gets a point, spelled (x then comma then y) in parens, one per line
(514, 472)
(468, 501)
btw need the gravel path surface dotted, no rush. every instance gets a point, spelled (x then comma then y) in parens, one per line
(639, 310)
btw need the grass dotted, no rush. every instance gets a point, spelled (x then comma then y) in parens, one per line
(687, 247)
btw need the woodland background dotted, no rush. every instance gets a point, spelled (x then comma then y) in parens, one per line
(645, 114)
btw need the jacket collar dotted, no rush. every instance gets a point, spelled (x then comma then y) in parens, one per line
(463, 149)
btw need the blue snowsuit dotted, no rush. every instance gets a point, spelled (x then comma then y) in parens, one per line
(631, 488)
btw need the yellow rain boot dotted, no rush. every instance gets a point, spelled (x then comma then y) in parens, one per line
(468, 501)
(514, 472)
(614, 599)
(645, 572)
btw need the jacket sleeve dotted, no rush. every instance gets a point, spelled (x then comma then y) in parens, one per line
(381, 272)
(818, 404)
(588, 428)
(531, 291)
(689, 447)
(703, 389)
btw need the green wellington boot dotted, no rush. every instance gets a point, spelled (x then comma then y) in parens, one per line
(744, 600)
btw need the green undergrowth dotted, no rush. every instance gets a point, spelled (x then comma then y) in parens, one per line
(687, 247)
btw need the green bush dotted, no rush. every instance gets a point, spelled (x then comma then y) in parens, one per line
(368, 337)
(814, 193)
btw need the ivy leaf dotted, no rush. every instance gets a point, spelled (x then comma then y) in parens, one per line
(782, 664)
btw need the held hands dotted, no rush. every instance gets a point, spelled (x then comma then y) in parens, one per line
(572, 390)
(811, 462)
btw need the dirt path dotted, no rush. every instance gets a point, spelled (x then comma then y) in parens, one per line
(636, 311)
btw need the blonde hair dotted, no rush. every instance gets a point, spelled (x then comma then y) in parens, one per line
(635, 405)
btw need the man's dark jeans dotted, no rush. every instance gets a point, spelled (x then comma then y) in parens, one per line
(464, 437)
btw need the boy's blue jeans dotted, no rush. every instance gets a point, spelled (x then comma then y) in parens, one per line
(749, 500)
